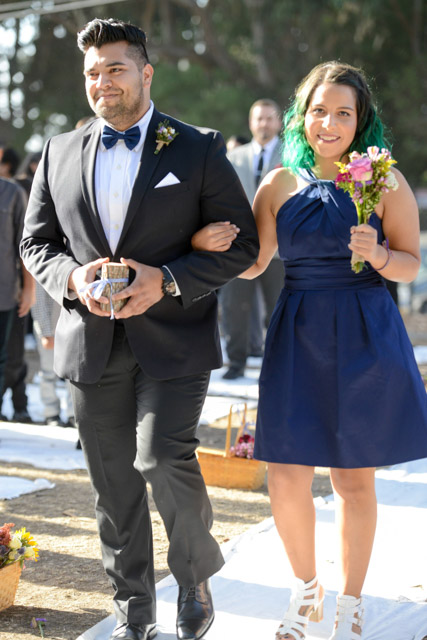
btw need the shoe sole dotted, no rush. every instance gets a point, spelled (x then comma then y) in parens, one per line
(152, 634)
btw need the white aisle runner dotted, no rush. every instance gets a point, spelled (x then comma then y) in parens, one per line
(251, 592)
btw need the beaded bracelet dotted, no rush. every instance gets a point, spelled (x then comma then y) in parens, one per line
(389, 254)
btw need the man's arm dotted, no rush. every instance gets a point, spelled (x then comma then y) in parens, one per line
(43, 250)
(200, 272)
(27, 296)
(222, 198)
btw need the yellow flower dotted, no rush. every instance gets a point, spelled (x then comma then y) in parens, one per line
(28, 541)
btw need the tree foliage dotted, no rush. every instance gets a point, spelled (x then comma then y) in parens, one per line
(213, 58)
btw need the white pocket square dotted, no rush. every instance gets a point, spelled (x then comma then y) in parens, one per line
(168, 180)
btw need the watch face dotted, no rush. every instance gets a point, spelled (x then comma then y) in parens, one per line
(168, 285)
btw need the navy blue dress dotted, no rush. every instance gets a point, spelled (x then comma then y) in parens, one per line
(339, 385)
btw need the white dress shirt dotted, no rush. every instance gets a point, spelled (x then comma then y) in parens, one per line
(268, 151)
(115, 173)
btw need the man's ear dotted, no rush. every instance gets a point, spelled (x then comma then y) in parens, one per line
(147, 75)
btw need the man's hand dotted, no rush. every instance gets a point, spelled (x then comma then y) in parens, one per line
(28, 293)
(144, 291)
(26, 300)
(48, 342)
(80, 278)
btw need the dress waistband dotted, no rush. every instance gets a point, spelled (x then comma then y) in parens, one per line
(329, 274)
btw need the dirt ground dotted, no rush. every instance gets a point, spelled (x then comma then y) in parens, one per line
(68, 586)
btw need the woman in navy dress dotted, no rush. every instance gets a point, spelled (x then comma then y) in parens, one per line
(339, 386)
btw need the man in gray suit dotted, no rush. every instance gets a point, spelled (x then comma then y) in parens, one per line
(252, 162)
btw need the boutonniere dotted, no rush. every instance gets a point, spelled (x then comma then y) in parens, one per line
(164, 135)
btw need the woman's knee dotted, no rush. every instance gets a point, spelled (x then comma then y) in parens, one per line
(353, 485)
(289, 478)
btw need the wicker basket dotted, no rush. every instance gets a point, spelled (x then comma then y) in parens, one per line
(9, 580)
(222, 469)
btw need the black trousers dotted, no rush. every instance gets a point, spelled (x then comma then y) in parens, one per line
(16, 367)
(134, 430)
(6, 321)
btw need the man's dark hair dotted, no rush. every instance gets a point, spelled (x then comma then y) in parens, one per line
(11, 158)
(99, 32)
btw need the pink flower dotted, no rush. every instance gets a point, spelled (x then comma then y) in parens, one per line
(360, 169)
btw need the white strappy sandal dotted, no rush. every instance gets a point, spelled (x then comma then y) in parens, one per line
(349, 613)
(306, 596)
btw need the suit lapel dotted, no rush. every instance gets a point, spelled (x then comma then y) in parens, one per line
(275, 158)
(90, 144)
(147, 165)
(249, 157)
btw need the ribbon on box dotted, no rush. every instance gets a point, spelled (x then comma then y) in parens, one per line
(97, 289)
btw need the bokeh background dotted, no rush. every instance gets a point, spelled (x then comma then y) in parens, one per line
(213, 58)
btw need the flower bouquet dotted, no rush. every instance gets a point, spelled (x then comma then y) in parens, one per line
(366, 177)
(15, 548)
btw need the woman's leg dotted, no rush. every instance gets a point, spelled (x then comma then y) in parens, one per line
(294, 515)
(289, 486)
(356, 518)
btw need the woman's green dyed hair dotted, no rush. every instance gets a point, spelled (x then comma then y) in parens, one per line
(296, 152)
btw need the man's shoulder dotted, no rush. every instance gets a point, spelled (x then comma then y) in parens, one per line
(193, 132)
(74, 135)
(241, 154)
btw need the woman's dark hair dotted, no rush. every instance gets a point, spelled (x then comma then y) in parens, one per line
(99, 32)
(297, 153)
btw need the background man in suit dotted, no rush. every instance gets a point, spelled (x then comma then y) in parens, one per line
(15, 372)
(138, 382)
(12, 294)
(251, 162)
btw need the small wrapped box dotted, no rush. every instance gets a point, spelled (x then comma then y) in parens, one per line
(114, 271)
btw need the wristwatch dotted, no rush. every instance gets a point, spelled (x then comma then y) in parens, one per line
(168, 283)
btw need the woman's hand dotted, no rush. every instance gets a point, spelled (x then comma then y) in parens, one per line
(364, 242)
(216, 236)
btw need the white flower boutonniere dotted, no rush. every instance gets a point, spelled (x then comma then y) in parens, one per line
(164, 135)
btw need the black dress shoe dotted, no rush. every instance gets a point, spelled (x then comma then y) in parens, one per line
(195, 611)
(54, 421)
(128, 631)
(233, 373)
(22, 417)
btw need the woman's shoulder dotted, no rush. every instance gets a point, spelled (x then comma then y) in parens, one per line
(279, 186)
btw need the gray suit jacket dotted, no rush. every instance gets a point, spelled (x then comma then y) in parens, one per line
(242, 159)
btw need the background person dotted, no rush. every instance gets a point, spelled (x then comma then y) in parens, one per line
(13, 203)
(252, 162)
(16, 369)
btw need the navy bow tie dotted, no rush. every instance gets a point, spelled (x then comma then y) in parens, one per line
(110, 137)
